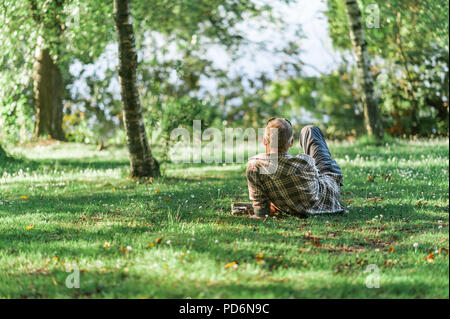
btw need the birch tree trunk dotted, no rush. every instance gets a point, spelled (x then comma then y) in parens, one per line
(141, 160)
(372, 117)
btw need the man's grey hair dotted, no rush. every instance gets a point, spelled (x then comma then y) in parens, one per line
(279, 130)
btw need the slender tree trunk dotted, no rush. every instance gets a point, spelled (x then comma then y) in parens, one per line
(48, 93)
(372, 117)
(141, 160)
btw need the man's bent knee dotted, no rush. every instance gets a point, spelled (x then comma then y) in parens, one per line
(308, 129)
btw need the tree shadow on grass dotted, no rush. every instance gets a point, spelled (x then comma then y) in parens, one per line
(226, 229)
(119, 284)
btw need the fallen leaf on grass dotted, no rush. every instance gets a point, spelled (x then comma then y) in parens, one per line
(308, 235)
(430, 258)
(158, 240)
(390, 262)
(41, 271)
(421, 203)
(25, 197)
(391, 249)
(374, 199)
(371, 178)
(126, 250)
(29, 227)
(349, 201)
(151, 245)
(231, 265)
(315, 239)
(166, 199)
(259, 256)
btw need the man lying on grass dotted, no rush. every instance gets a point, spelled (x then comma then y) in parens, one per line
(303, 185)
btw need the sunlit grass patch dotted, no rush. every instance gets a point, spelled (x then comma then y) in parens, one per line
(174, 237)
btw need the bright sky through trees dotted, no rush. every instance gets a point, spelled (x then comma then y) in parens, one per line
(318, 55)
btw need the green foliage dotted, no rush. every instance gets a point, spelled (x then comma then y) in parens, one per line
(410, 55)
(329, 99)
(187, 18)
(76, 30)
(365, 140)
(411, 61)
(69, 28)
(178, 113)
(242, 101)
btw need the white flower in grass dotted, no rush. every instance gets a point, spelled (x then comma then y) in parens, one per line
(129, 248)
(216, 241)
(168, 242)
(415, 245)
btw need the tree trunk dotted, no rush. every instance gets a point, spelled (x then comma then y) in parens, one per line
(2, 152)
(48, 93)
(47, 86)
(372, 117)
(141, 160)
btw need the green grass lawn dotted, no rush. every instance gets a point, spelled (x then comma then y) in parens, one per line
(61, 204)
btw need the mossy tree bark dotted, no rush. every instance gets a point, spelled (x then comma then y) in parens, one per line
(2, 152)
(373, 123)
(47, 81)
(141, 160)
(48, 93)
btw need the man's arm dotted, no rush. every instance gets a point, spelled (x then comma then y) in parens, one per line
(261, 204)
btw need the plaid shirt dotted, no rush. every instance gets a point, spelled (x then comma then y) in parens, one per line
(293, 185)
